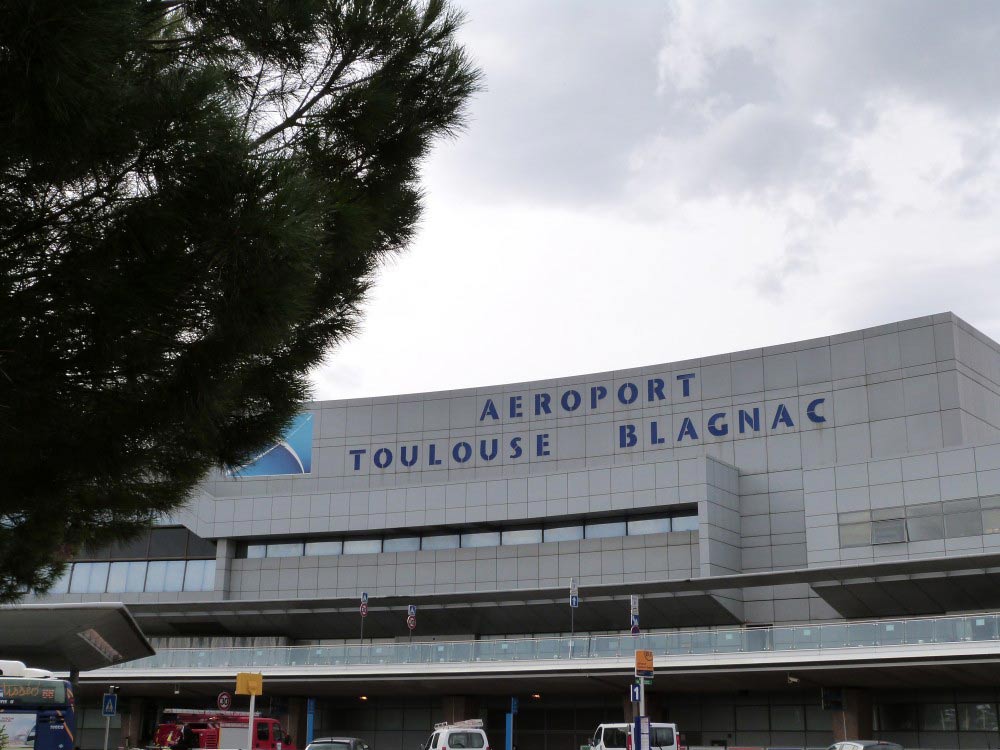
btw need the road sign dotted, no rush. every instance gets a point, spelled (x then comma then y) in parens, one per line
(224, 701)
(364, 597)
(249, 683)
(574, 601)
(364, 609)
(635, 624)
(643, 663)
(513, 705)
(109, 704)
(573, 588)
(411, 622)
(635, 604)
(635, 692)
(411, 610)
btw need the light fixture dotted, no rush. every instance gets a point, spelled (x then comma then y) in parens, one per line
(362, 697)
(536, 696)
(177, 689)
(792, 679)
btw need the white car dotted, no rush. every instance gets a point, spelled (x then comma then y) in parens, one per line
(619, 737)
(462, 735)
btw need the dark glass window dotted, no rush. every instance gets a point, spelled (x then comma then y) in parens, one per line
(855, 535)
(969, 523)
(888, 532)
(938, 717)
(924, 528)
(977, 717)
(198, 547)
(167, 543)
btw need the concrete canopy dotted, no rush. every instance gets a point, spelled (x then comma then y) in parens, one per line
(63, 637)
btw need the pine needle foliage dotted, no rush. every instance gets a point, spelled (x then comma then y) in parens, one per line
(194, 196)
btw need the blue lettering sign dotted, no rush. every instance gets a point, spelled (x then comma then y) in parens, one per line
(750, 418)
(490, 410)
(626, 436)
(515, 445)
(627, 393)
(541, 444)
(402, 455)
(686, 379)
(654, 433)
(382, 458)
(357, 453)
(782, 415)
(655, 386)
(597, 393)
(571, 400)
(461, 452)
(687, 429)
(715, 428)
(494, 449)
(542, 403)
(811, 411)
(515, 407)
(432, 459)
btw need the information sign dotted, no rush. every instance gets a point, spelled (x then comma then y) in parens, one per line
(364, 597)
(364, 609)
(635, 692)
(224, 701)
(643, 663)
(249, 683)
(109, 704)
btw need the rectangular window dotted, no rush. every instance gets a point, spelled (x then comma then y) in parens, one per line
(991, 521)
(165, 575)
(977, 717)
(638, 526)
(895, 717)
(605, 529)
(117, 575)
(684, 523)
(884, 514)
(134, 549)
(969, 523)
(198, 547)
(329, 547)
(168, 542)
(563, 533)
(855, 535)
(61, 586)
(362, 546)
(440, 541)
(924, 509)
(788, 719)
(285, 549)
(89, 578)
(521, 536)
(401, 544)
(194, 575)
(938, 717)
(888, 532)
(925, 528)
(481, 539)
(752, 717)
(255, 551)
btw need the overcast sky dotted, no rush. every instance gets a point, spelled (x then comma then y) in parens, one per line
(643, 182)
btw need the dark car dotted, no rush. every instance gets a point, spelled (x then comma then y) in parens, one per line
(338, 743)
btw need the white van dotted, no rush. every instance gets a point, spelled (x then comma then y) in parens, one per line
(619, 737)
(462, 735)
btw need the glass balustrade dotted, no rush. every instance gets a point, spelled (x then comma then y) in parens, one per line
(920, 631)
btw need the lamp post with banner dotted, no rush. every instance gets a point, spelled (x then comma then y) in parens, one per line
(364, 614)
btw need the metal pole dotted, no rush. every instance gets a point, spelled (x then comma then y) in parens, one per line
(253, 699)
(362, 631)
(107, 728)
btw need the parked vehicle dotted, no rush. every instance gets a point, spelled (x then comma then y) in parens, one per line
(864, 745)
(619, 737)
(462, 735)
(338, 743)
(219, 729)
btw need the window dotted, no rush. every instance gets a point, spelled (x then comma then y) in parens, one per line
(685, 523)
(977, 717)
(465, 740)
(788, 719)
(969, 523)
(888, 532)
(127, 577)
(255, 551)
(661, 736)
(440, 541)
(638, 526)
(61, 586)
(605, 529)
(563, 533)
(200, 575)
(401, 544)
(925, 528)
(752, 717)
(896, 717)
(481, 539)
(855, 535)
(168, 542)
(89, 578)
(165, 575)
(288, 549)
(263, 731)
(362, 546)
(614, 737)
(324, 548)
(938, 717)
(521, 536)
(198, 547)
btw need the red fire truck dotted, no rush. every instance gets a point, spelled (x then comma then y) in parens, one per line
(220, 730)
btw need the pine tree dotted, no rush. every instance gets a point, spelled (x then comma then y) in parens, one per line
(194, 196)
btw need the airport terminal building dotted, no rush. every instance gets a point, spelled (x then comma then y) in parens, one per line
(820, 518)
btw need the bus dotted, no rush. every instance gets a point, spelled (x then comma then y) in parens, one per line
(36, 712)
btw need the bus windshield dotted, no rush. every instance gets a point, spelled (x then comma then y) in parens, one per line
(37, 714)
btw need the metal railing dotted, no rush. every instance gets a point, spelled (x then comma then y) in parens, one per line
(837, 635)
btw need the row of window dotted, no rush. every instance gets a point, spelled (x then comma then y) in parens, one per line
(136, 577)
(163, 543)
(479, 537)
(916, 523)
(937, 717)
